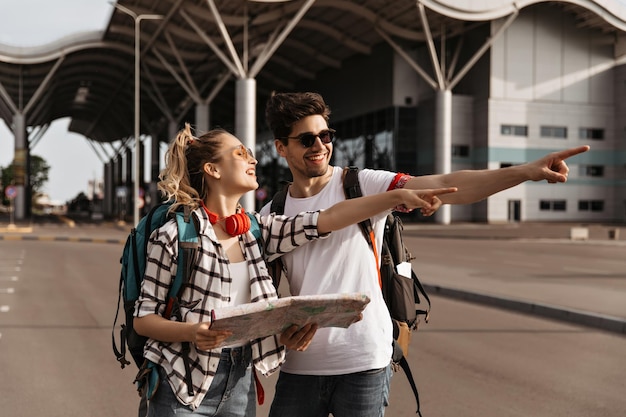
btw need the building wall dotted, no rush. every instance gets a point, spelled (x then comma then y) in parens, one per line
(620, 142)
(546, 72)
(543, 72)
(362, 85)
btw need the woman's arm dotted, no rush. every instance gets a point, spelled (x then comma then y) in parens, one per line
(355, 210)
(164, 330)
(160, 272)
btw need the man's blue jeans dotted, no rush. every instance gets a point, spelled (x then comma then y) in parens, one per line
(362, 394)
(232, 392)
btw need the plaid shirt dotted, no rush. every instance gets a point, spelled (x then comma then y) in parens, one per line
(209, 288)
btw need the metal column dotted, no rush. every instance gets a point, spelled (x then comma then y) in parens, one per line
(245, 125)
(443, 143)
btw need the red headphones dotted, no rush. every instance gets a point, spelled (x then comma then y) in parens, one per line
(235, 224)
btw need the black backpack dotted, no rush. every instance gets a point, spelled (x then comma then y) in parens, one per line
(401, 294)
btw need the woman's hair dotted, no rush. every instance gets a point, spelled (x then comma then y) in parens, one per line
(182, 179)
(283, 110)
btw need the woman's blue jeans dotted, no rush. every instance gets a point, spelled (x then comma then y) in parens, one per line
(361, 394)
(232, 392)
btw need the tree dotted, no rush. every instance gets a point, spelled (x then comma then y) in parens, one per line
(39, 170)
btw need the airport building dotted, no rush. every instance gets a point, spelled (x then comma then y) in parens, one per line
(414, 86)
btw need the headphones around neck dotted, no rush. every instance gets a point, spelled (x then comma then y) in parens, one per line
(235, 224)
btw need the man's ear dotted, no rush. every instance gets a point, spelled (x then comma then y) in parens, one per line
(211, 169)
(280, 147)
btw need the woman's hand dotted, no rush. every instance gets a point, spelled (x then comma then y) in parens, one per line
(207, 339)
(299, 339)
(426, 200)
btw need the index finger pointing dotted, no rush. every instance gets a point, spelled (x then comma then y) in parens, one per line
(439, 191)
(568, 153)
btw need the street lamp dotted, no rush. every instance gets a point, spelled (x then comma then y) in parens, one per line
(137, 18)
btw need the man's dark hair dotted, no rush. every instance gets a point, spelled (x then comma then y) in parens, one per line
(283, 110)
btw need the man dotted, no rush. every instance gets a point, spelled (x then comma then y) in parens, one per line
(346, 372)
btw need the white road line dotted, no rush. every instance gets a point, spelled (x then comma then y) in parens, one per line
(4, 309)
(521, 263)
(7, 290)
(9, 278)
(586, 270)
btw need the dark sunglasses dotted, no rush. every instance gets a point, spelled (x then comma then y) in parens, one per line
(308, 139)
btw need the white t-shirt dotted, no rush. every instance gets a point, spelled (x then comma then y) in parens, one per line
(341, 263)
(240, 287)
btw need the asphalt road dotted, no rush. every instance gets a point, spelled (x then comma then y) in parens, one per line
(57, 303)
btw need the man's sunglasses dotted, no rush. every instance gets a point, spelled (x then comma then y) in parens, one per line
(308, 139)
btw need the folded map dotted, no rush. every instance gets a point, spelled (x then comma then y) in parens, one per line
(264, 318)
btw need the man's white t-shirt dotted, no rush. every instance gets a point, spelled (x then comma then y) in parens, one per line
(341, 263)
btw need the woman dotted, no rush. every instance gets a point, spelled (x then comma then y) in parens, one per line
(209, 175)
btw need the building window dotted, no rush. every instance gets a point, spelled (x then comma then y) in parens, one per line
(460, 151)
(559, 132)
(590, 205)
(590, 133)
(514, 130)
(592, 170)
(552, 205)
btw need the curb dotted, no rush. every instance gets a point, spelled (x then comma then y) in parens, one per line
(583, 318)
(62, 239)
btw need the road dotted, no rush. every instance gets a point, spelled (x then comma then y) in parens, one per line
(57, 302)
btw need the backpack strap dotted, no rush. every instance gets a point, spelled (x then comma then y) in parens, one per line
(352, 189)
(278, 201)
(277, 206)
(404, 364)
(188, 245)
(255, 229)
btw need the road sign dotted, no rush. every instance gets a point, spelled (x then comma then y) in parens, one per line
(10, 192)
(261, 194)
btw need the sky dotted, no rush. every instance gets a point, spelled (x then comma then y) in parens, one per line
(38, 22)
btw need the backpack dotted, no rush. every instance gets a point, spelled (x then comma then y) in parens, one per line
(133, 261)
(401, 294)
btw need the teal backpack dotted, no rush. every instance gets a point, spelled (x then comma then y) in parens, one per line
(133, 263)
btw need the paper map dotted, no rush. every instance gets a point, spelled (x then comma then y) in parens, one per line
(263, 318)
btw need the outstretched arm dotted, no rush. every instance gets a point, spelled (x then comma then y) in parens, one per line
(354, 210)
(476, 185)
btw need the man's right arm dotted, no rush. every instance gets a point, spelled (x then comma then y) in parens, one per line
(476, 185)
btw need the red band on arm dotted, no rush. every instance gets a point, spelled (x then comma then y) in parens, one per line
(399, 181)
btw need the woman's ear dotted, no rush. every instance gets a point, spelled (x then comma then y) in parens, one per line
(211, 169)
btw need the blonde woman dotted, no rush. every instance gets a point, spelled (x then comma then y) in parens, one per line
(209, 174)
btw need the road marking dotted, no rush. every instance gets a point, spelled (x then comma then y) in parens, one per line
(586, 270)
(7, 290)
(4, 309)
(521, 263)
(8, 279)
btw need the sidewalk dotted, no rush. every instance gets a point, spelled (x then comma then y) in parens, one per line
(568, 303)
(482, 291)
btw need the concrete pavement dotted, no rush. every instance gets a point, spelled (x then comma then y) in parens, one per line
(480, 291)
(571, 302)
